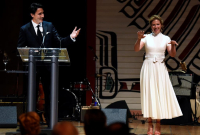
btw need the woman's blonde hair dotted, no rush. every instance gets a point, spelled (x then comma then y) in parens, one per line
(156, 17)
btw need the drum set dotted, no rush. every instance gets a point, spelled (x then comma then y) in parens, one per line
(69, 104)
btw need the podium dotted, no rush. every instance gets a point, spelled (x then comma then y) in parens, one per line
(35, 56)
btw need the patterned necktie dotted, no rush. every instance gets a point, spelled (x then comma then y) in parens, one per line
(39, 34)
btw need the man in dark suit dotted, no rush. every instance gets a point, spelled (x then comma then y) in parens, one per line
(29, 36)
(39, 33)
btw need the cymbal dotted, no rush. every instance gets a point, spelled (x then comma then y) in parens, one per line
(107, 73)
(99, 75)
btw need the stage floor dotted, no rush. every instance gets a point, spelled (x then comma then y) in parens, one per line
(136, 128)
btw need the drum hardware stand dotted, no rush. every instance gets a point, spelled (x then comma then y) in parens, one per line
(79, 103)
(93, 95)
(195, 122)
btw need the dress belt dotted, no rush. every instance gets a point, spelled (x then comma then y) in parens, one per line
(155, 57)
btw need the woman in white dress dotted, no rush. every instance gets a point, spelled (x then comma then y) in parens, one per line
(158, 99)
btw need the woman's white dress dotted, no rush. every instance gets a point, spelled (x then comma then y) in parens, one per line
(158, 99)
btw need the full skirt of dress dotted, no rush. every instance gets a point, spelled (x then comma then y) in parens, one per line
(158, 99)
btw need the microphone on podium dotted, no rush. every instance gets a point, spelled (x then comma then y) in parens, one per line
(42, 45)
(59, 40)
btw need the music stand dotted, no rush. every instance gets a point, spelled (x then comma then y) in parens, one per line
(45, 55)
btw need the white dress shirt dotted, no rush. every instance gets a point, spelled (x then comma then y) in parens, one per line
(36, 28)
(41, 29)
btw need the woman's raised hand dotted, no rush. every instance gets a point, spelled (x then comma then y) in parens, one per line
(172, 42)
(140, 34)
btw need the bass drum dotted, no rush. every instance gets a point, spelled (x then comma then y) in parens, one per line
(67, 105)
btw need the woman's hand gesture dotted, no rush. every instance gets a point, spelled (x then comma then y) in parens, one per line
(140, 34)
(173, 42)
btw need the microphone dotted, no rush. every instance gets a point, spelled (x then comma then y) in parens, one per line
(87, 81)
(44, 39)
(59, 40)
(95, 56)
(90, 48)
(179, 80)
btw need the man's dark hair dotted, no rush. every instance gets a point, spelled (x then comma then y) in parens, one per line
(34, 7)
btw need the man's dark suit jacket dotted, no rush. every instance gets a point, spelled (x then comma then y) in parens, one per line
(28, 37)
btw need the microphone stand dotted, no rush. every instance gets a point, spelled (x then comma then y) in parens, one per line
(93, 95)
(195, 122)
(179, 80)
(42, 45)
(95, 58)
(59, 41)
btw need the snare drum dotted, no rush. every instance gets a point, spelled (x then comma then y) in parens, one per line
(82, 86)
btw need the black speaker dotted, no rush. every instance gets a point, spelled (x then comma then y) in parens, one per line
(84, 109)
(120, 105)
(115, 115)
(184, 102)
(19, 105)
(8, 117)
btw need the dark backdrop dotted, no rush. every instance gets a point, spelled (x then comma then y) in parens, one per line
(65, 15)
